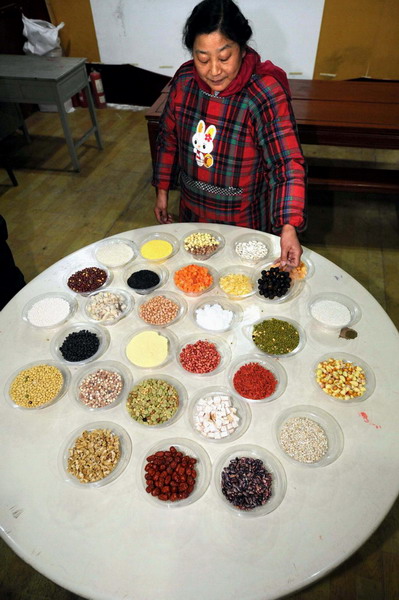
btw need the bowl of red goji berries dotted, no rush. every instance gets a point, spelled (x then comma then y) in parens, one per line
(175, 472)
(203, 354)
(257, 378)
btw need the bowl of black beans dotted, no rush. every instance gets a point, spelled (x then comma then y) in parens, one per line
(144, 278)
(80, 343)
(274, 285)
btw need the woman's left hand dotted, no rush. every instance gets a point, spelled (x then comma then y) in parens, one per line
(291, 249)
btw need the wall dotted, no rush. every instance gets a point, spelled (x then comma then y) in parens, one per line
(147, 33)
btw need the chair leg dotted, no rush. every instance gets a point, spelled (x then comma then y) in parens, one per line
(11, 175)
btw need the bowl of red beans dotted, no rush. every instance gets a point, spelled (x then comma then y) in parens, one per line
(202, 354)
(87, 279)
(257, 378)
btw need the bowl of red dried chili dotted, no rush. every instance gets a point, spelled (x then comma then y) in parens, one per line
(203, 355)
(175, 472)
(87, 279)
(256, 378)
(249, 480)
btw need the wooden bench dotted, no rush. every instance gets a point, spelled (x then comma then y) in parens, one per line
(360, 114)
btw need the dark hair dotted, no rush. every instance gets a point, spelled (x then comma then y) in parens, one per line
(217, 15)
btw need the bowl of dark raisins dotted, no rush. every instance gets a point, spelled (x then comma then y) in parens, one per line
(275, 285)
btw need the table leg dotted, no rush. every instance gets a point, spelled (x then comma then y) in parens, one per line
(93, 116)
(68, 135)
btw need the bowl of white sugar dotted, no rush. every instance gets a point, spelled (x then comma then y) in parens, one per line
(333, 311)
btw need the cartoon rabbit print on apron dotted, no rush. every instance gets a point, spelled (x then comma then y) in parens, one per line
(203, 144)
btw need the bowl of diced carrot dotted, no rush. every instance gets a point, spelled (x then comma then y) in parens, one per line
(195, 279)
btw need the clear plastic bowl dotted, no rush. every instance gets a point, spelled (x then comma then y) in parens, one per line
(162, 273)
(165, 333)
(88, 265)
(72, 302)
(270, 364)
(221, 346)
(332, 429)
(242, 408)
(125, 445)
(203, 467)
(125, 298)
(110, 244)
(271, 463)
(197, 255)
(353, 310)
(298, 274)
(225, 304)
(159, 236)
(237, 270)
(52, 363)
(348, 358)
(292, 292)
(182, 394)
(59, 338)
(178, 300)
(247, 238)
(248, 329)
(210, 269)
(107, 365)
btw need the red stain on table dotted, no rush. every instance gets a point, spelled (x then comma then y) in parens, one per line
(367, 420)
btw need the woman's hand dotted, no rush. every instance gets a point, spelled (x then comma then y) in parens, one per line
(161, 208)
(291, 249)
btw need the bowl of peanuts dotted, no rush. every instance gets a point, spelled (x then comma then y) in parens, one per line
(161, 309)
(343, 378)
(174, 473)
(95, 454)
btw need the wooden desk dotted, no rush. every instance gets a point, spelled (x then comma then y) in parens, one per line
(362, 114)
(39, 79)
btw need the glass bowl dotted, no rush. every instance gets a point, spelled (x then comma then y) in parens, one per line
(209, 314)
(252, 248)
(210, 270)
(156, 310)
(115, 253)
(194, 354)
(270, 364)
(95, 287)
(202, 466)
(351, 360)
(95, 403)
(333, 311)
(125, 446)
(297, 445)
(148, 247)
(272, 465)
(212, 242)
(248, 330)
(215, 428)
(20, 373)
(162, 273)
(237, 270)
(150, 387)
(58, 340)
(144, 354)
(293, 291)
(106, 315)
(49, 310)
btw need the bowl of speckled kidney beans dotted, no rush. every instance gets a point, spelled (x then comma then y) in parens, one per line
(249, 480)
(87, 279)
(175, 472)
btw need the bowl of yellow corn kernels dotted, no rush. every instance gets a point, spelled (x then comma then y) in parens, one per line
(237, 282)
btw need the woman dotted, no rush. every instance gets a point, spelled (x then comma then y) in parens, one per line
(228, 134)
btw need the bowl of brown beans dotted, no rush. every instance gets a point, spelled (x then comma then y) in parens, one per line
(102, 385)
(37, 384)
(95, 454)
(343, 378)
(249, 480)
(203, 354)
(161, 309)
(86, 279)
(307, 435)
(175, 472)
(109, 306)
(156, 401)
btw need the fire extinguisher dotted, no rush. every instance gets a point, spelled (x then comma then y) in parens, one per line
(97, 89)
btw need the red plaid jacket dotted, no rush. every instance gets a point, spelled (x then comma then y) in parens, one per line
(237, 158)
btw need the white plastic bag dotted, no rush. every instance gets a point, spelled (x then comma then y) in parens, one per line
(42, 37)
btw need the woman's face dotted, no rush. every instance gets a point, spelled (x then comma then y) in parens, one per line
(217, 59)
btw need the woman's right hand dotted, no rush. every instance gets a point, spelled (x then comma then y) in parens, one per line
(161, 208)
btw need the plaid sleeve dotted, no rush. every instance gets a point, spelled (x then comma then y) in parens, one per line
(166, 169)
(277, 137)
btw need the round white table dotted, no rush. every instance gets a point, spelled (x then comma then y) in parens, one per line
(112, 543)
